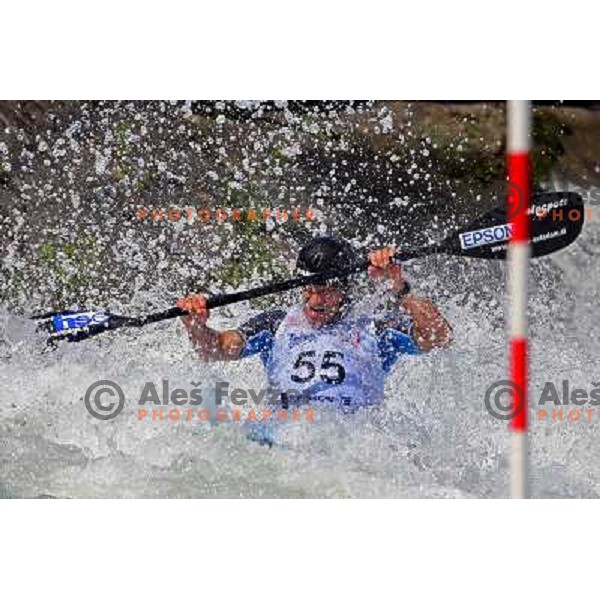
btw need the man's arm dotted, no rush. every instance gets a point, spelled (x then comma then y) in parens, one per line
(430, 328)
(210, 345)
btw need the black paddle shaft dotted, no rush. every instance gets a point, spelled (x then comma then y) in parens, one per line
(548, 235)
(277, 287)
(117, 321)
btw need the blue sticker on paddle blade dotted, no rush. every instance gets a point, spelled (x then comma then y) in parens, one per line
(72, 321)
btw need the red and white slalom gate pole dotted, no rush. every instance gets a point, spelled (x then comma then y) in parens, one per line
(519, 173)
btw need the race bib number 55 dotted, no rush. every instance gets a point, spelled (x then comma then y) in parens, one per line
(328, 368)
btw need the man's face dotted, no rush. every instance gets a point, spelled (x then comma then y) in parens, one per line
(322, 303)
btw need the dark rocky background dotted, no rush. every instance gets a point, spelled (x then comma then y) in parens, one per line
(74, 174)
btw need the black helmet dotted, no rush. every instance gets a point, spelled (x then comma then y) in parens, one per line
(326, 254)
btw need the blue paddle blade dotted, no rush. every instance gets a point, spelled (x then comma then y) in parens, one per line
(74, 325)
(72, 320)
(63, 323)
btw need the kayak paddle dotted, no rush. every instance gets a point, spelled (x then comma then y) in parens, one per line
(556, 220)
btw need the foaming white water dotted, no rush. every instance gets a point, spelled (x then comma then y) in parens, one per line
(433, 438)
